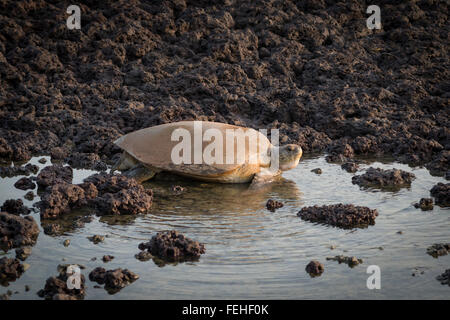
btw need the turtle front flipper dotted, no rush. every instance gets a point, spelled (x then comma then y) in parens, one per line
(140, 173)
(265, 175)
(125, 162)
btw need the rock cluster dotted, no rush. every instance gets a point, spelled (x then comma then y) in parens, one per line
(114, 280)
(441, 194)
(172, 246)
(380, 178)
(340, 215)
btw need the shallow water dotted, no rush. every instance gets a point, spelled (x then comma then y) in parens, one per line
(252, 253)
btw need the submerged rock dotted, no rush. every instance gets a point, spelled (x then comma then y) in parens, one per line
(172, 246)
(350, 261)
(114, 280)
(380, 178)
(16, 231)
(315, 268)
(441, 194)
(444, 278)
(29, 196)
(425, 204)
(15, 207)
(24, 184)
(317, 171)
(96, 239)
(438, 249)
(56, 287)
(272, 205)
(340, 215)
(107, 258)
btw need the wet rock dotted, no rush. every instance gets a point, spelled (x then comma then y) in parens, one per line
(114, 280)
(56, 287)
(59, 199)
(380, 178)
(58, 153)
(29, 196)
(107, 258)
(317, 171)
(16, 231)
(438, 249)
(440, 164)
(23, 253)
(25, 170)
(172, 246)
(315, 268)
(42, 160)
(340, 215)
(10, 270)
(350, 261)
(143, 256)
(272, 205)
(66, 243)
(53, 229)
(86, 161)
(119, 195)
(54, 174)
(24, 184)
(15, 207)
(96, 239)
(444, 278)
(387, 103)
(425, 204)
(351, 167)
(441, 194)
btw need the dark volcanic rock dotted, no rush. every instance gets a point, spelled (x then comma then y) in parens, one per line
(25, 170)
(438, 249)
(317, 171)
(96, 239)
(10, 270)
(296, 64)
(15, 207)
(106, 194)
(29, 195)
(61, 198)
(114, 280)
(53, 229)
(444, 278)
(315, 268)
(349, 166)
(272, 205)
(54, 174)
(441, 194)
(172, 246)
(379, 178)
(425, 204)
(340, 215)
(120, 195)
(107, 258)
(56, 287)
(16, 231)
(350, 261)
(25, 184)
(440, 164)
(23, 253)
(86, 161)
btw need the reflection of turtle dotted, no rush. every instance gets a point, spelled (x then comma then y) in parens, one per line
(243, 154)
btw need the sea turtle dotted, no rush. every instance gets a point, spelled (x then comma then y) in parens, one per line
(209, 151)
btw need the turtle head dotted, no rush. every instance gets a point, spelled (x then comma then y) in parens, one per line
(289, 156)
